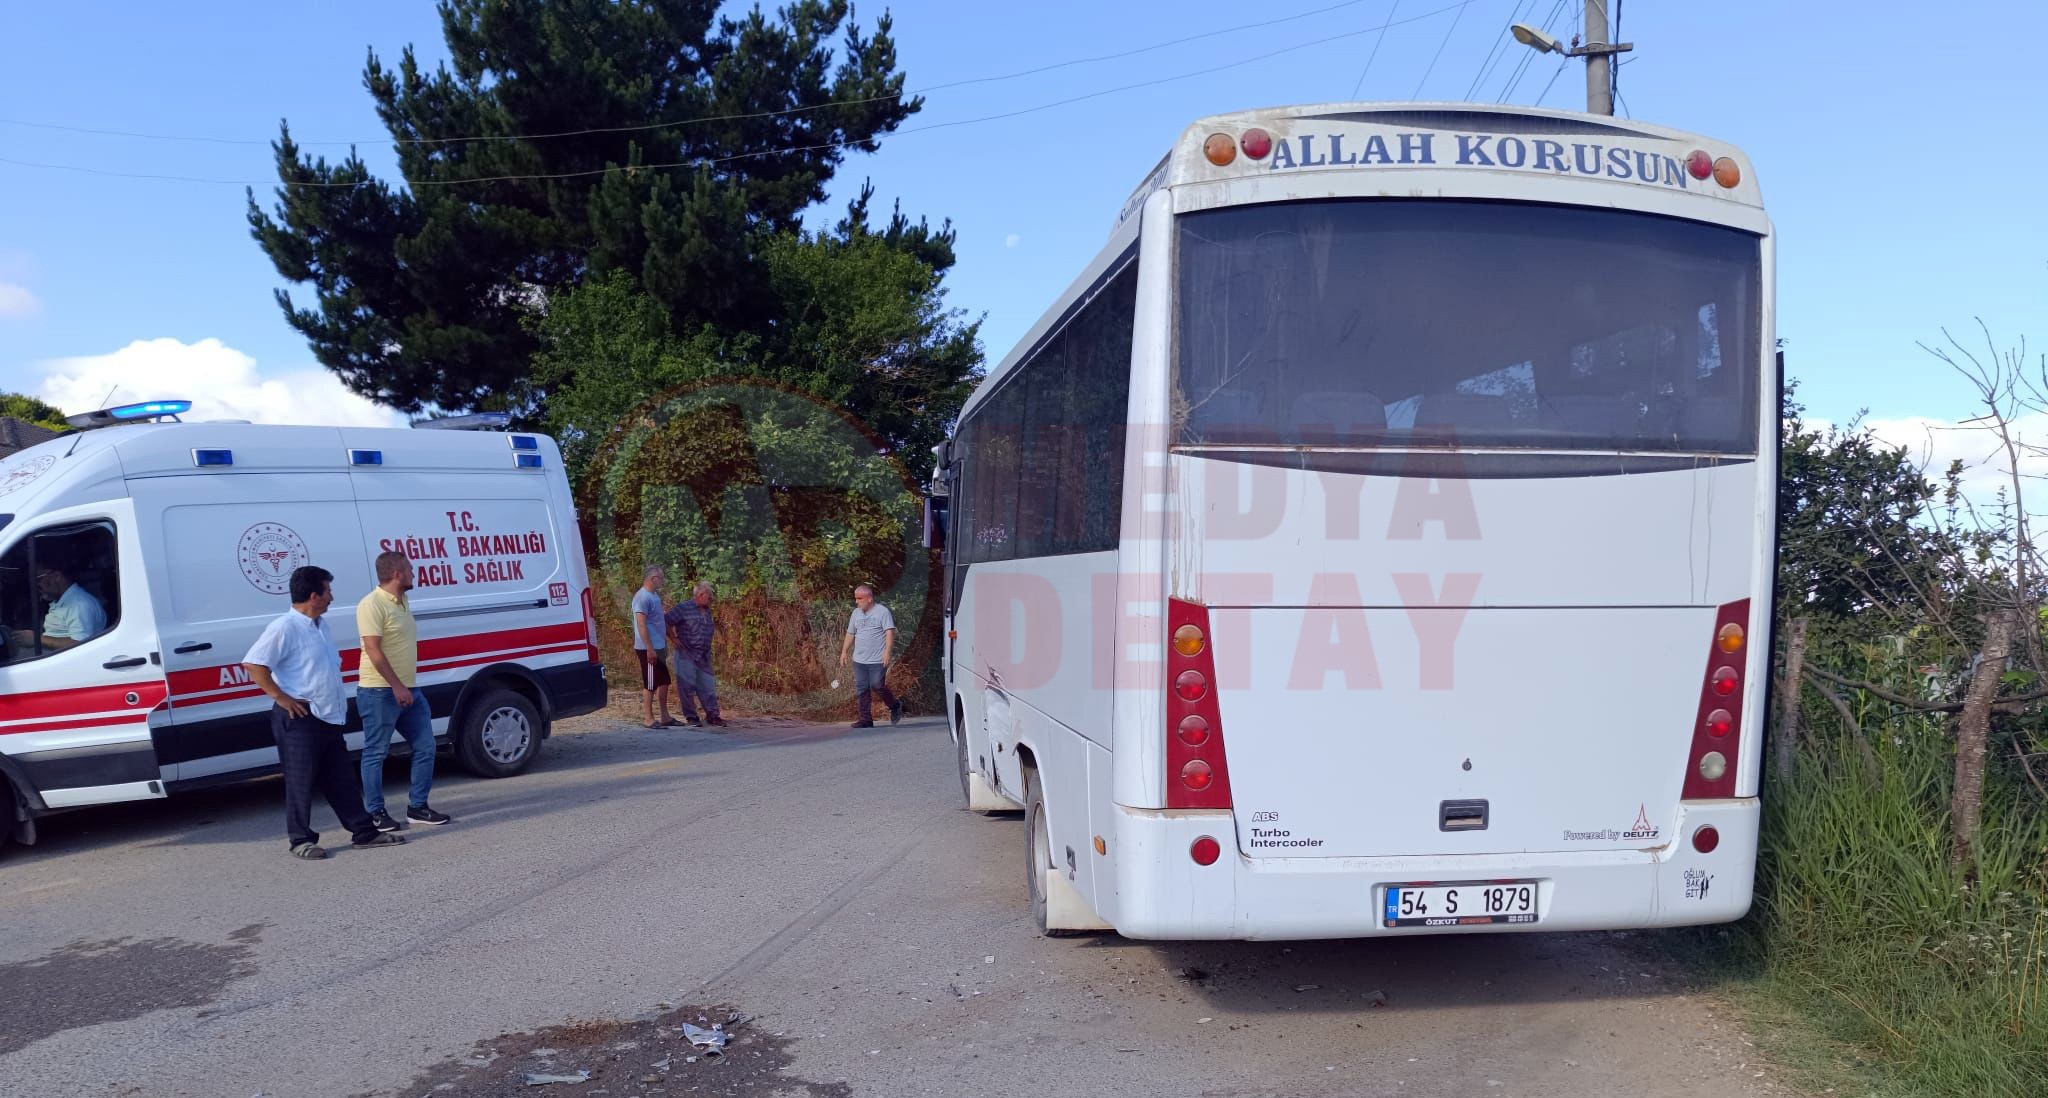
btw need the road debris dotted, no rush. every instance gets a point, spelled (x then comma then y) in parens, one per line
(1203, 1021)
(1192, 973)
(712, 1040)
(641, 1057)
(1376, 999)
(1307, 987)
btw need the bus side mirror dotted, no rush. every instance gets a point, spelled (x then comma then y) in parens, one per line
(935, 522)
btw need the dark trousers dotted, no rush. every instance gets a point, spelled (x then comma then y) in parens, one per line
(314, 756)
(695, 686)
(871, 679)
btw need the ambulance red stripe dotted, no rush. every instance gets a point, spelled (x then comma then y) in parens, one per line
(200, 679)
(87, 699)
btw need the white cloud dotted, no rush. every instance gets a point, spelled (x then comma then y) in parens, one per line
(1012, 240)
(221, 383)
(16, 300)
(1987, 470)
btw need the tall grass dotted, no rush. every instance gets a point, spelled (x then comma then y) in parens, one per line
(1862, 926)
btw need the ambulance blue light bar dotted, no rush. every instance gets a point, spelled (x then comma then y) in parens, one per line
(151, 409)
(528, 461)
(129, 413)
(204, 458)
(366, 457)
(524, 442)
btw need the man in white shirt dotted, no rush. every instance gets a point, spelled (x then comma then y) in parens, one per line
(296, 663)
(74, 618)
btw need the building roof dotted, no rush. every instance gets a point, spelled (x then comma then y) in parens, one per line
(18, 435)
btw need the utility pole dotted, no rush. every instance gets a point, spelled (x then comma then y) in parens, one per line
(1599, 66)
(1599, 54)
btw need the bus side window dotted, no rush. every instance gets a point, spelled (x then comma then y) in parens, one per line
(59, 589)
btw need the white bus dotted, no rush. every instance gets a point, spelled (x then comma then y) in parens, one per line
(1377, 537)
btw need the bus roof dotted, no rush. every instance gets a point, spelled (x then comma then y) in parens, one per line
(1451, 137)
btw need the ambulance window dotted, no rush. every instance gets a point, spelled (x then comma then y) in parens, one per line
(59, 589)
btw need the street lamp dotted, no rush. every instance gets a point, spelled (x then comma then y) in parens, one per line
(1536, 39)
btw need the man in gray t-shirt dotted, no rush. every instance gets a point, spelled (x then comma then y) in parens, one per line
(870, 642)
(650, 647)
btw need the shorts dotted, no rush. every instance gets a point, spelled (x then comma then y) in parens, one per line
(653, 667)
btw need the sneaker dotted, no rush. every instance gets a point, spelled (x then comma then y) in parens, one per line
(861, 724)
(426, 815)
(896, 713)
(696, 723)
(717, 722)
(384, 822)
(384, 838)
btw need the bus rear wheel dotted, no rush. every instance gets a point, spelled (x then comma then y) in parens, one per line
(1038, 853)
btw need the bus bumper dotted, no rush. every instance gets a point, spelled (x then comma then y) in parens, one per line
(1162, 894)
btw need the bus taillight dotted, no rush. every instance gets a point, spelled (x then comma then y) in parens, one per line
(1709, 772)
(1195, 773)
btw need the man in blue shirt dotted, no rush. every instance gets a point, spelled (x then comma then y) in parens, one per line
(296, 663)
(692, 626)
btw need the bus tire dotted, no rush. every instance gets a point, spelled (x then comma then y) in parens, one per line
(500, 735)
(966, 791)
(1038, 853)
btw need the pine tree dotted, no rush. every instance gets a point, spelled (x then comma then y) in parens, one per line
(566, 139)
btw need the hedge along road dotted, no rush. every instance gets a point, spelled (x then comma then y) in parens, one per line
(823, 881)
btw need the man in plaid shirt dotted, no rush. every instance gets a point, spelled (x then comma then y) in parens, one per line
(691, 627)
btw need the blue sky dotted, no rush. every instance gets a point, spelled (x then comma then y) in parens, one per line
(1902, 157)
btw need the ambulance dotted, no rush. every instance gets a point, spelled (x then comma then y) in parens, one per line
(141, 555)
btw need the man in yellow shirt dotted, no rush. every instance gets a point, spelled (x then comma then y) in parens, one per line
(385, 696)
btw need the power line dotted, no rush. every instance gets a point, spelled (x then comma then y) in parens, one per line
(1614, 73)
(1515, 77)
(1553, 79)
(1375, 51)
(715, 161)
(1494, 55)
(643, 127)
(1417, 94)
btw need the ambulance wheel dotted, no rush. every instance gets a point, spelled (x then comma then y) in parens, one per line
(7, 822)
(1038, 853)
(501, 734)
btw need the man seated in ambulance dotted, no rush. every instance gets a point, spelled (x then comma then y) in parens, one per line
(75, 615)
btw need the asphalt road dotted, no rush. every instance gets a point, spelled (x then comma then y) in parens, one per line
(822, 881)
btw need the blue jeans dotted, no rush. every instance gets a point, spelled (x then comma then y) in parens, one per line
(871, 680)
(695, 687)
(381, 716)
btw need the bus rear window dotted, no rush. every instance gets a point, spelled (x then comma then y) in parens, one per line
(1396, 322)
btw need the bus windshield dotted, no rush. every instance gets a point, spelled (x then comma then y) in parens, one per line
(1474, 324)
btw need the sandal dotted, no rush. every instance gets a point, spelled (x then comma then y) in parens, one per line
(311, 852)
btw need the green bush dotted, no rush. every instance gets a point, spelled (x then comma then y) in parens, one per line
(1863, 926)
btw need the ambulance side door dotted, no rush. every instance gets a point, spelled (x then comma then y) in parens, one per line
(228, 544)
(78, 713)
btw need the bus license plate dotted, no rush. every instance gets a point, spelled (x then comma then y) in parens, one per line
(1466, 903)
